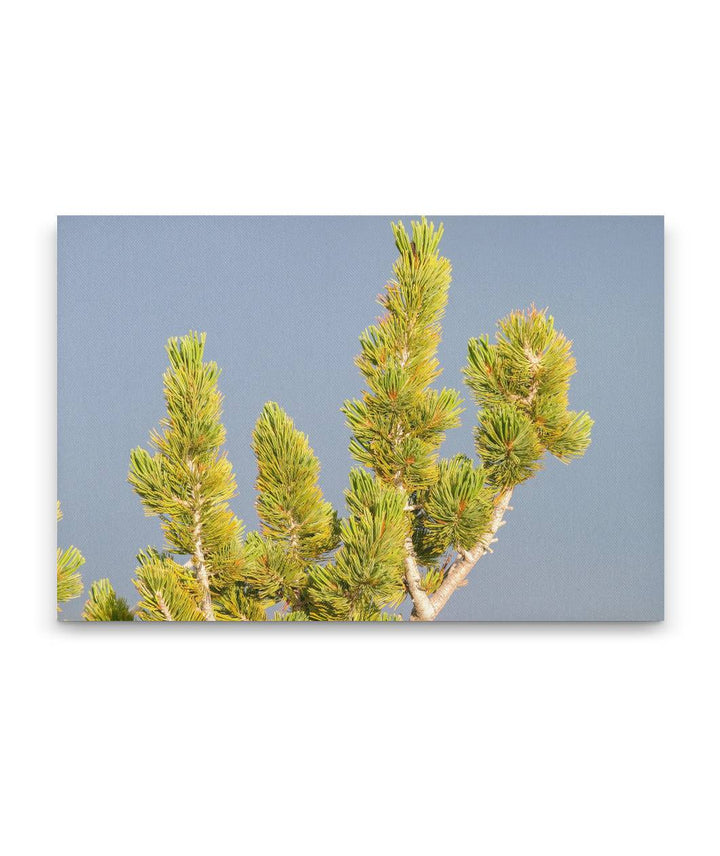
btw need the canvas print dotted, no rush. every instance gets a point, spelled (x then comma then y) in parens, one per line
(360, 419)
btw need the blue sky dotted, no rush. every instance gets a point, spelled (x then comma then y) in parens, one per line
(283, 299)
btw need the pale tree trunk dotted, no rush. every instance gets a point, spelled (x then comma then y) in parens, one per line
(198, 560)
(202, 577)
(422, 608)
(460, 568)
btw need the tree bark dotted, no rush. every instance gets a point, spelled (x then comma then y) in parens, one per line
(202, 577)
(422, 608)
(201, 572)
(465, 562)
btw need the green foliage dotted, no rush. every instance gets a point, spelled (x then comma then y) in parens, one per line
(290, 503)
(236, 603)
(508, 444)
(432, 580)
(188, 482)
(298, 528)
(168, 591)
(69, 562)
(383, 616)
(273, 572)
(409, 512)
(104, 605)
(400, 422)
(290, 616)
(566, 435)
(69, 580)
(455, 510)
(370, 495)
(521, 383)
(367, 571)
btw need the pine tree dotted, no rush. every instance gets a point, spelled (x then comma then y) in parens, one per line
(520, 384)
(417, 524)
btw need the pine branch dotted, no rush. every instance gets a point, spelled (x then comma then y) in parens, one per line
(366, 574)
(104, 605)
(69, 562)
(188, 481)
(168, 591)
(198, 555)
(298, 527)
(291, 616)
(273, 573)
(467, 560)
(290, 502)
(521, 384)
(235, 604)
(401, 421)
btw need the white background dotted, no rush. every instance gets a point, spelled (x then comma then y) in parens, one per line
(491, 739)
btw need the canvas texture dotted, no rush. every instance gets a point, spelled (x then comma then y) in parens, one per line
(360, 419)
